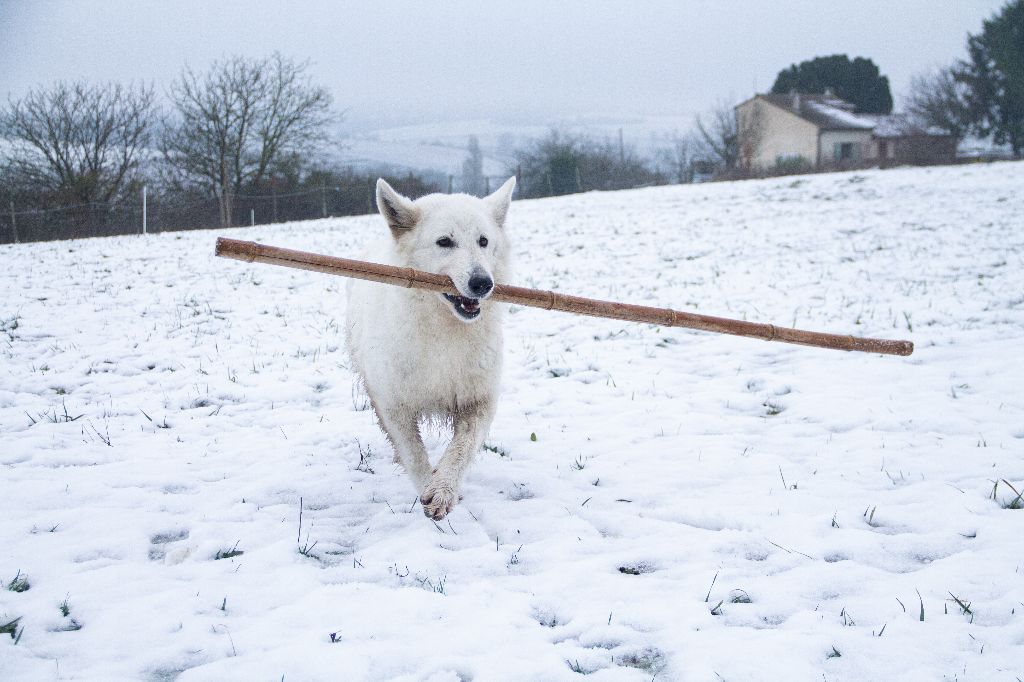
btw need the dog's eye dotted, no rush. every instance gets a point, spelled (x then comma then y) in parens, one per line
(483, 242)
(445, 242)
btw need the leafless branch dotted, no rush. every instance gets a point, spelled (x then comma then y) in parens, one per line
(937, 99)
(78, 141)
(716, 134)
(233, 123)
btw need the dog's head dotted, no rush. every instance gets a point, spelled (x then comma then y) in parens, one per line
(452, 234)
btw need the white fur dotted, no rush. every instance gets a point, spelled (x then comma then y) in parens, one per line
(420, 359)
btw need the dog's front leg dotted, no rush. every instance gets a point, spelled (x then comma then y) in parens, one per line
(402, 429)
(470, 428)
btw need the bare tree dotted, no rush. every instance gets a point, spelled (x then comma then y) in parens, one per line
(937, 99)
(233, 123)
(677, 157)
(75, 141)
(564, 164)
(749, 133)
(716, 135)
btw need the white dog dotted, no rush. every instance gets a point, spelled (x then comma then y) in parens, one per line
(424, 355)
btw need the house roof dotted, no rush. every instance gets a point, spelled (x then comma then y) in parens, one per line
(901, 125)
(827, 112)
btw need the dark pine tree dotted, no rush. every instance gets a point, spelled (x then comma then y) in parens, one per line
(858, 82)
(994, 76)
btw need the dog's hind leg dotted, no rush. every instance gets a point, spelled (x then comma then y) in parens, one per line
(401, 428)
(470, 429)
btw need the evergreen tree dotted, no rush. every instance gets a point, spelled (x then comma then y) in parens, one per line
(473, 169)
(994, 75)
(858, 82)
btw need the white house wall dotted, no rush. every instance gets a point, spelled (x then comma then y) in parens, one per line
(782, 135)
(861, 139)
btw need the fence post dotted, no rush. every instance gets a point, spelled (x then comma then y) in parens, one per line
(273, 194)
(144, 216)
(487, 185)
(14, 223)
(323, 200)
(450, 178)
(252, 217)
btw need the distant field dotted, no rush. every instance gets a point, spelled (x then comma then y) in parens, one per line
(441, 147)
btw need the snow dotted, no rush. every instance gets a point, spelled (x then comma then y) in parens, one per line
(654, 502)
(372, 153)
(899, 125)
(840, 117)
(441, 146)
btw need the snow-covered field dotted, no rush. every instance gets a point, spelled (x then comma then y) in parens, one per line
(412, 156)
(441, 146)
(652, 503)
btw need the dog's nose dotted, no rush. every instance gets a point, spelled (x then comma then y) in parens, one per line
(480, 285)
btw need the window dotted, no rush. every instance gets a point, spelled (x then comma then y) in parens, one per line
(843, 151)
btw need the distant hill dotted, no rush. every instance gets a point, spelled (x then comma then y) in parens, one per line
(441, 146)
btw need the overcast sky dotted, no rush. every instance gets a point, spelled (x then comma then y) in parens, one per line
(414, 61)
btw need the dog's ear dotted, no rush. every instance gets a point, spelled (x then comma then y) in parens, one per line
(399, 212)
(500, 200)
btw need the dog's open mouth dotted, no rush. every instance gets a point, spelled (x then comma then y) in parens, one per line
(467, 308)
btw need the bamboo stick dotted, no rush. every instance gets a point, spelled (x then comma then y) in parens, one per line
(549, 300)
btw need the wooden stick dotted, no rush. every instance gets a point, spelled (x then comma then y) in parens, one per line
(549, 300)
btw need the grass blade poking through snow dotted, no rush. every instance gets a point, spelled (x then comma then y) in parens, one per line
(11, 628)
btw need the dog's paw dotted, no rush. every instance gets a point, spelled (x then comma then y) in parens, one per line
(438, 499)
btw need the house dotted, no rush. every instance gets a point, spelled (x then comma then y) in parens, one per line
(795, 132)
(898, 140)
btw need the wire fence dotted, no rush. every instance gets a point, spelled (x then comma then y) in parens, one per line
(158, 213)
(353, 195)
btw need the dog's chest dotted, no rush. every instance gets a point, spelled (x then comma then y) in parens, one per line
(450, 369)
(410, 349)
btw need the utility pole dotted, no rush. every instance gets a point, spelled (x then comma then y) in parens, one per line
(144, 226)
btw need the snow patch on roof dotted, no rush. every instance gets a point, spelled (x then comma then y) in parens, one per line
(839, 117)
(900, 125)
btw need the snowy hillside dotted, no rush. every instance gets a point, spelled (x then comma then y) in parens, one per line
(652, 502)
(441, 146)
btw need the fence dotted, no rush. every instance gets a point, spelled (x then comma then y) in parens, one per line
(163, 214)
(353, 195)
